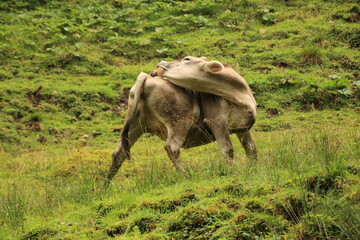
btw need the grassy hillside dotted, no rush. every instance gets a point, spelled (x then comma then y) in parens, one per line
(72, 59)
(66, 66)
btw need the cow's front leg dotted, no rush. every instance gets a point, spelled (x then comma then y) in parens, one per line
(248, 143)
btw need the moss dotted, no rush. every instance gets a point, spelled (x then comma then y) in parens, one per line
(264, 189)
(35, 117)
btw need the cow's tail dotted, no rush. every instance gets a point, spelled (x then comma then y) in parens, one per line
(133, 111)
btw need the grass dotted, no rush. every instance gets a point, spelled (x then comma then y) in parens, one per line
(66, 66)
(301, 186)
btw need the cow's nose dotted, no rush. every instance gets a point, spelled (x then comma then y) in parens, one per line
(153, 73)
(163, 64)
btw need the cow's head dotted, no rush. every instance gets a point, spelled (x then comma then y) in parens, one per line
(187, 68)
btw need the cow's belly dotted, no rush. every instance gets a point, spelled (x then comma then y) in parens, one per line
(198, 135)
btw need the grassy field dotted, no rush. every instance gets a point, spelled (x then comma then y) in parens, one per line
(304, 185)
(66, 67)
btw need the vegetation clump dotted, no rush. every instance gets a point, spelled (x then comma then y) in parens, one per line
(195, 221)
(311, 55)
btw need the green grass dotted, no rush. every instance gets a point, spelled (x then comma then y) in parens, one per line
(65, 67)
(304, 184)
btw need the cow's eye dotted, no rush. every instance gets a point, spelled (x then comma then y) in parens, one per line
(186, 59)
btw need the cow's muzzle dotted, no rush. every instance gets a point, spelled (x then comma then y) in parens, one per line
(162, 66)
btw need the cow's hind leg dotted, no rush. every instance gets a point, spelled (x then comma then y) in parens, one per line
(172, 146)
(248, 143)
(120, 154)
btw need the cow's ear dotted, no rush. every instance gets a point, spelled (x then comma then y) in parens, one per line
(213, 66)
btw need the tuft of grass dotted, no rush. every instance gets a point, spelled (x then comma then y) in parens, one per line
(312, 55)
(13, 206)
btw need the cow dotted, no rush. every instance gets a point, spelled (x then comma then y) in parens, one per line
(185, 118)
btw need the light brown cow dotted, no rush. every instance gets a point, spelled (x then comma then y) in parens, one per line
(182, 118)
